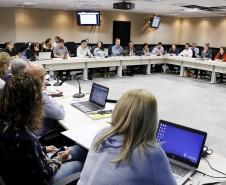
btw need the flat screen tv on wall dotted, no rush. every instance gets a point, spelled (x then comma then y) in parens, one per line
(88, 18)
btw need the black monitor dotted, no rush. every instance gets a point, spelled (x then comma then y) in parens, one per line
(88, 18)
(154, 22)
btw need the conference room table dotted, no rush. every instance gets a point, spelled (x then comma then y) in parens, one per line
(82, 129)
(75, 63)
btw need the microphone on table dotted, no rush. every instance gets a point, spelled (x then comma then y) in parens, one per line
(79, 94)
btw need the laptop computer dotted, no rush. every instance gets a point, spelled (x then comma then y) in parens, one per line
(97, 99)
(183, 146)
(44, 56)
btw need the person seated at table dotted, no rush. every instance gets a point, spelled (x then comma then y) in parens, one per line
(205, 54)
(158, 50)
(221, 56)
(195, 50)
(146, 49)
(117, 49)
(52, 110)
(130, 50)
(173, 51)
(23, 51)
(128, 149)
(33, 51)
(83, 51)
(21, 107)
(17, 67)
(99, 50)
(187, 52)
(47, 46)
(61, 51)
(10, 48)
(56, 42)
(5, 61)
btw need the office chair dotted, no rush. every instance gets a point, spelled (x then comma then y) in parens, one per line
(109, 51)
(71, 48)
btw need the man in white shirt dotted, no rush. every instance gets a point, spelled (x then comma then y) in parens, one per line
(83, 51)
(187, 52)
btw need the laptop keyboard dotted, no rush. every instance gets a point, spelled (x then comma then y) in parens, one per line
(89, 106)
(179, 170)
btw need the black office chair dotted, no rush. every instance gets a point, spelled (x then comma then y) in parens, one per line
(71, 48)
(109, 51)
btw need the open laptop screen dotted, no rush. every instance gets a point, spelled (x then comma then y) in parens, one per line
(99, 94)
(181, 143)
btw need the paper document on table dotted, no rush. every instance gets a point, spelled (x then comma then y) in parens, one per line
(96, 116)
(84, 135)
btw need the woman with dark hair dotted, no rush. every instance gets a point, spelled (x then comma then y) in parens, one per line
(146, 50)
(21, 107)
(32, 52)
(47, 46)
(99, 50)
(221, 56)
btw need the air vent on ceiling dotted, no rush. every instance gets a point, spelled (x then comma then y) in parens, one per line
(203, 8)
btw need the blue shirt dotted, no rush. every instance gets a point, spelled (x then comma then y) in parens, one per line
(52, 109)
(116, 51)
(151, 168)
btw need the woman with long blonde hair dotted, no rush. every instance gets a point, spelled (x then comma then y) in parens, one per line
(127, 153)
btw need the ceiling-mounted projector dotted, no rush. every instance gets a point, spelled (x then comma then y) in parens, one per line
(124, 5)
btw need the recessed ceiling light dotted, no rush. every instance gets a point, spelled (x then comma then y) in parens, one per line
(29, 3)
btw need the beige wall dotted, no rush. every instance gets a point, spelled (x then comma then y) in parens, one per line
(22, 25)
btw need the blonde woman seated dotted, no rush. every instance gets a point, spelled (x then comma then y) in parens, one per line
(127, 153)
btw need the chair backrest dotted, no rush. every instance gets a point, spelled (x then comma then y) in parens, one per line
(71, 48)
(109, 50)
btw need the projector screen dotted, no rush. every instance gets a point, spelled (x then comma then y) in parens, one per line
(88, 18)
(155, 21)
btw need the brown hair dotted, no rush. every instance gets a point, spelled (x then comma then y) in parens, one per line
(61, 41)
(135, 118)
(21, 102)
